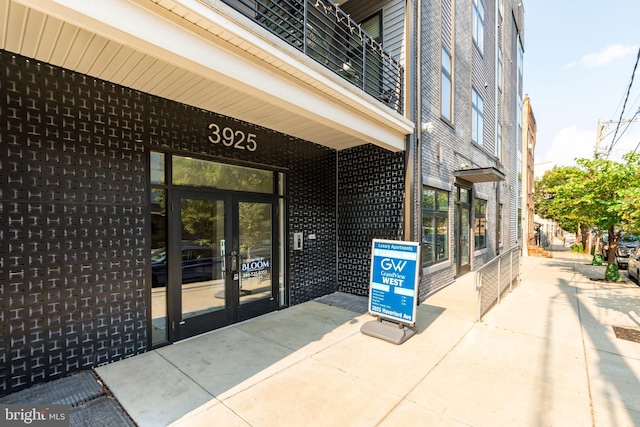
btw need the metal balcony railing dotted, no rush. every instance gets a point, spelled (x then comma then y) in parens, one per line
(325, 33)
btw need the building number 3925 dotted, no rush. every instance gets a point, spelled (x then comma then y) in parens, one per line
(232, 138)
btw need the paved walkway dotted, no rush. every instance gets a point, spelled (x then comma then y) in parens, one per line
(546, 356)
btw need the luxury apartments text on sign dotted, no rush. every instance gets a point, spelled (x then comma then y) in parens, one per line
(394, 280)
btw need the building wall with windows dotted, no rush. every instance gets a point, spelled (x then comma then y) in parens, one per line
(528, 180)
(85, 111)
(471, 62)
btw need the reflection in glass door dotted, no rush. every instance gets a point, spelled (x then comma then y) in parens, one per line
(464, 236)
(217, 245)
(255, 226)
(202, 256)
(462, 230)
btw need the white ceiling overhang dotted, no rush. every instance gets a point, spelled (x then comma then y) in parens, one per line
(204, 55)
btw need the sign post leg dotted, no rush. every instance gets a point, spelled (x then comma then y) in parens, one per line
(393, 332)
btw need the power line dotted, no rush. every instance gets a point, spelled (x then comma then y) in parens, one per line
(637, 146)
(613, 142)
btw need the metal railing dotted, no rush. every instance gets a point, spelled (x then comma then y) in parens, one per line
(324, 32)
(495, 278)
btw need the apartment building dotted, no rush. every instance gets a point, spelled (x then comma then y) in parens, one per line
(471, 57)
(528, 177)
(170, 167)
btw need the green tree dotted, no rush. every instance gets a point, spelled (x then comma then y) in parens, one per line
(599, 193)
(630, 195)
(552, 193)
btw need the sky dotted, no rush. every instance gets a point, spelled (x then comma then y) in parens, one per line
(579, 59)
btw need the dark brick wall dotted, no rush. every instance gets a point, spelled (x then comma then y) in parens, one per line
(371, 197)
(72, 202)
(74, 209)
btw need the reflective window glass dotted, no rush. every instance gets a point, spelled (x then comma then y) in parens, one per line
(201, 173)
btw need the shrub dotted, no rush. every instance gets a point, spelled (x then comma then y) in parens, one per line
(612, 274)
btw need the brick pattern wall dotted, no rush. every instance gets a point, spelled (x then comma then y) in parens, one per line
(72, 200)
(449, 145)
(75, 214)
(371, 197)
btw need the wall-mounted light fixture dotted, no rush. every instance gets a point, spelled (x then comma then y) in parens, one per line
(427, 127)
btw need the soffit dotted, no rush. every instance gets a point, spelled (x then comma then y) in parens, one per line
(173, 60)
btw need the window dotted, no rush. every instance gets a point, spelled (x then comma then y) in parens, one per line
(477, 118)
(445, 86)
(446, 66)
(499, 225)
(373, 27)
(499, 76)
(373, 66)
(499, 141)
(480, 228)
(478, 24)
(520, 59)
(435, 226)
(519, 223)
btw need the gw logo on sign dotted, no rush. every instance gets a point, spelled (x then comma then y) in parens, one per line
(388, 264)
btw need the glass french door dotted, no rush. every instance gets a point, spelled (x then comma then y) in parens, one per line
(462, 231)
(221, 260)
(217, 245)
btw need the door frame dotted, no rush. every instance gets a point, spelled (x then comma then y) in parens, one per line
(461, 269)
(233, 311)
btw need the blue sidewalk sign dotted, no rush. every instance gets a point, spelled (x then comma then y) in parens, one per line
(394, 280)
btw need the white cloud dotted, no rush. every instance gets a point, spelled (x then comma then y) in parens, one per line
(570, 143)
(606, 56)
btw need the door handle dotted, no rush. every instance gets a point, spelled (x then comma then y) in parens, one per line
(234, 261)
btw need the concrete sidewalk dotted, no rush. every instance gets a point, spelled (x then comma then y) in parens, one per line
(547, 355)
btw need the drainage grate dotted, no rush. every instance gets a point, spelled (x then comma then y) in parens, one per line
(105, 411)
(627, 334)
(72, 391)
(90, 404)
(355, 303)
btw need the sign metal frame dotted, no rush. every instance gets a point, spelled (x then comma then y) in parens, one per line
(393, 283)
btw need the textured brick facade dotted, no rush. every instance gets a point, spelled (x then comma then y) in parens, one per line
(449, 146)
(74, 262)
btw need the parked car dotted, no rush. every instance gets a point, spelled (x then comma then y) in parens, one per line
(199, 263)
(628, 243)
(605, 246)
(634, 265)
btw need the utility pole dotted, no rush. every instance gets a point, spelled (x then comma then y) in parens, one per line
(599, 135)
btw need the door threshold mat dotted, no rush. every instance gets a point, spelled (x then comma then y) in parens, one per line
(628, 334)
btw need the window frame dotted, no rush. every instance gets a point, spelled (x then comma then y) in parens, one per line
(499, 224)
(477, 118)
(478, 25)
(499, 69)
(438, 216)
(446, 75)
(480, 224)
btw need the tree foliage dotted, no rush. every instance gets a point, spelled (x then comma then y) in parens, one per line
(552, 198)
(600, 193)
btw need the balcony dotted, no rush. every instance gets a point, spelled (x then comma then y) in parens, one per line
(322, 31)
